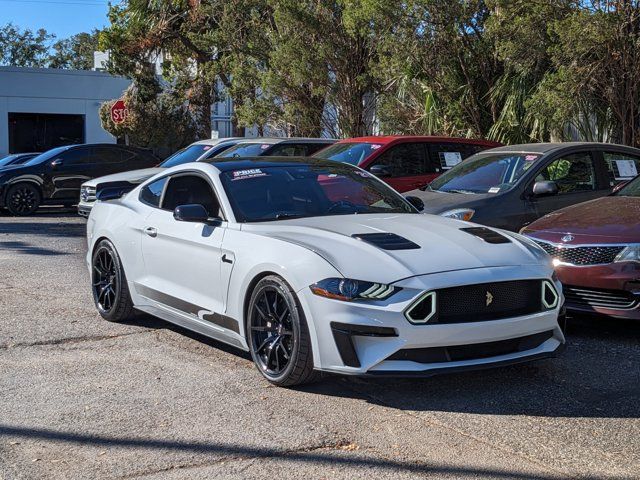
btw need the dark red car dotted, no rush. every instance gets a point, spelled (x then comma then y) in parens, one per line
(404, 162)
(596, 250)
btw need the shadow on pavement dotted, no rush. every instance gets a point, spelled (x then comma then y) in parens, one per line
(45, 229)
(28, 249)
(321, 455)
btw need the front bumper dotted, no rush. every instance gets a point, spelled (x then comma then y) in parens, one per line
(84, 209)
(376, 338)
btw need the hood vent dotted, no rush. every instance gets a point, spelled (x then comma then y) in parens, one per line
(486, 234)
(387, 241)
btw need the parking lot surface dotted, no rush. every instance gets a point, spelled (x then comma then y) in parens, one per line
(84, 398)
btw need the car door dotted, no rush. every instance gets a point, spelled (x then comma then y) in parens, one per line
(405, 166)
(68, 171)
(183, 259)
(577, 179)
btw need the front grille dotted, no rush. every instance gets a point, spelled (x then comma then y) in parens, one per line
(592, 297)
(487, 301)
(592, 255)
(474, 351)
(88, 194)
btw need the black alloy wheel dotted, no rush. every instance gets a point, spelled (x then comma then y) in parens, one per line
(109, 284)
(23, 199)
(278, 334)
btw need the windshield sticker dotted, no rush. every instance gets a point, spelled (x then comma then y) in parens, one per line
(250, 173)
(264, 146)
(375, 146)
(206, 147)
(494, 189)
(362, 174)
(451, 159)
(531, 158)
(626, 169)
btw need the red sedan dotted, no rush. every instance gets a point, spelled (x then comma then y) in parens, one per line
(596, 252)
(404, 162)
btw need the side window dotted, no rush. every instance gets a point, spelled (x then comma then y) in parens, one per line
(404, 160)
(314, 147)
(444, 156)
(189, 189)
(152, 193)
(77, 156)
(573, 173)
(621, 166)
(288, 150)
(106, 155)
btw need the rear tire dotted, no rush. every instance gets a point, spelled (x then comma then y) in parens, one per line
(23, 199)
(278, 334)
(109, 284)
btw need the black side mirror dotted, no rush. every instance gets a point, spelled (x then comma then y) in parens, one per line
(193, 212)
(380, 171)
(545, 188)
(58, 162)
(416, 202)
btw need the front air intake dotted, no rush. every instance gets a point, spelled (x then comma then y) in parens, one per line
(486, 234)
(387, 241)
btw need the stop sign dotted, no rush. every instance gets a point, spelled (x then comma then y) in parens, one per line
(119, 112)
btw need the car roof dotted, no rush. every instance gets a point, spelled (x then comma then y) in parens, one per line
(386, 139)
(278, 140)
(547, 147)
(216, 141)
(230, 164)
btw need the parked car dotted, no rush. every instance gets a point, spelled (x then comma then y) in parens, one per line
(596, 252)
(276, 147)
(316, 265)
(16, 159)
(54, 177)
(197, 151)
(509, 187)
(404, 162)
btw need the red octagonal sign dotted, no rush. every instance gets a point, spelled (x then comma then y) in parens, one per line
(119, 112)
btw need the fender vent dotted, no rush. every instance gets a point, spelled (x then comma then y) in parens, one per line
(387, 241)
(486, 234)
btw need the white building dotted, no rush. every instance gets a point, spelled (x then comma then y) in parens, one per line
(42, 108)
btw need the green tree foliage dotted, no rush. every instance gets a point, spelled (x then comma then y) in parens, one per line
(24, 48)
(76, 52)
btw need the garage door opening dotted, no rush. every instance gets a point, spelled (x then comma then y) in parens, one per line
(39, 132)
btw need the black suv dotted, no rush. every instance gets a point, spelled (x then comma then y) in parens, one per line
(54, 177)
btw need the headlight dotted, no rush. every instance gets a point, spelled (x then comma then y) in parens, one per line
(347, 289)
(459, 214)
(629, 254)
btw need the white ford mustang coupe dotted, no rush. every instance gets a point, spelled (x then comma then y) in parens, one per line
(315, 266)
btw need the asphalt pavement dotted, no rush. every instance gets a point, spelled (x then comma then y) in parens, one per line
(84, 398)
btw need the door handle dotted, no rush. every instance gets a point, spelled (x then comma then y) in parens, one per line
(152, 232)
(226, 260)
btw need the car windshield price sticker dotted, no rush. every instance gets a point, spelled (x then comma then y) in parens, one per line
(626, 168)
(250, 173)
(451, 159)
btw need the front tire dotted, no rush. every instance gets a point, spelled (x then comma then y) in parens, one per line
(278, 334)
(23, 199)
(109, 284)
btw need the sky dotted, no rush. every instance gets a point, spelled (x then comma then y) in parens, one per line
(61, 17)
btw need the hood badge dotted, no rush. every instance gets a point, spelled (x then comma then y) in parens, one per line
(489, 298)
(567, 238)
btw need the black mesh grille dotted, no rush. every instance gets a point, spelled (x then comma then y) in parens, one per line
(472, 352)
(387, 241)
(593, 297)
(581, 255)
(487, 301)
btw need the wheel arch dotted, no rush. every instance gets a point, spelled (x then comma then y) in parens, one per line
(13, 183)
(247, 298)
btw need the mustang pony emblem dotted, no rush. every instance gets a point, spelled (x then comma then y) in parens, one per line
(489, 298)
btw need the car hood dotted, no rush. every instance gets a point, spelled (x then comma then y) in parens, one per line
(604, 220)
(133, 176)
(440, 202)
(443, 246)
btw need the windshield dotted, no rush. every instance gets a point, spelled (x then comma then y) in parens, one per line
(186, 155)
(246, 150)
(353, 153)
(7, 160)
(281, 192)
(485, 173)
(631, 189)
(48, 155)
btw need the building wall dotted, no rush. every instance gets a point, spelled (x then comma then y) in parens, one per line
(43, 90)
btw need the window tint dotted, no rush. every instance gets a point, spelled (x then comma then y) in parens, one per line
(190, 189)
(404, 160)
(312, 148)
(77, 156)
(288, 150)
(621, 166)
(105, 155)
(246, 150)
(572, 173)
(152, 193)
(348, 152)
(186, 155)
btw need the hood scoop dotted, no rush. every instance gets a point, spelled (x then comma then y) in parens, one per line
(486, 234)
(387, 241)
